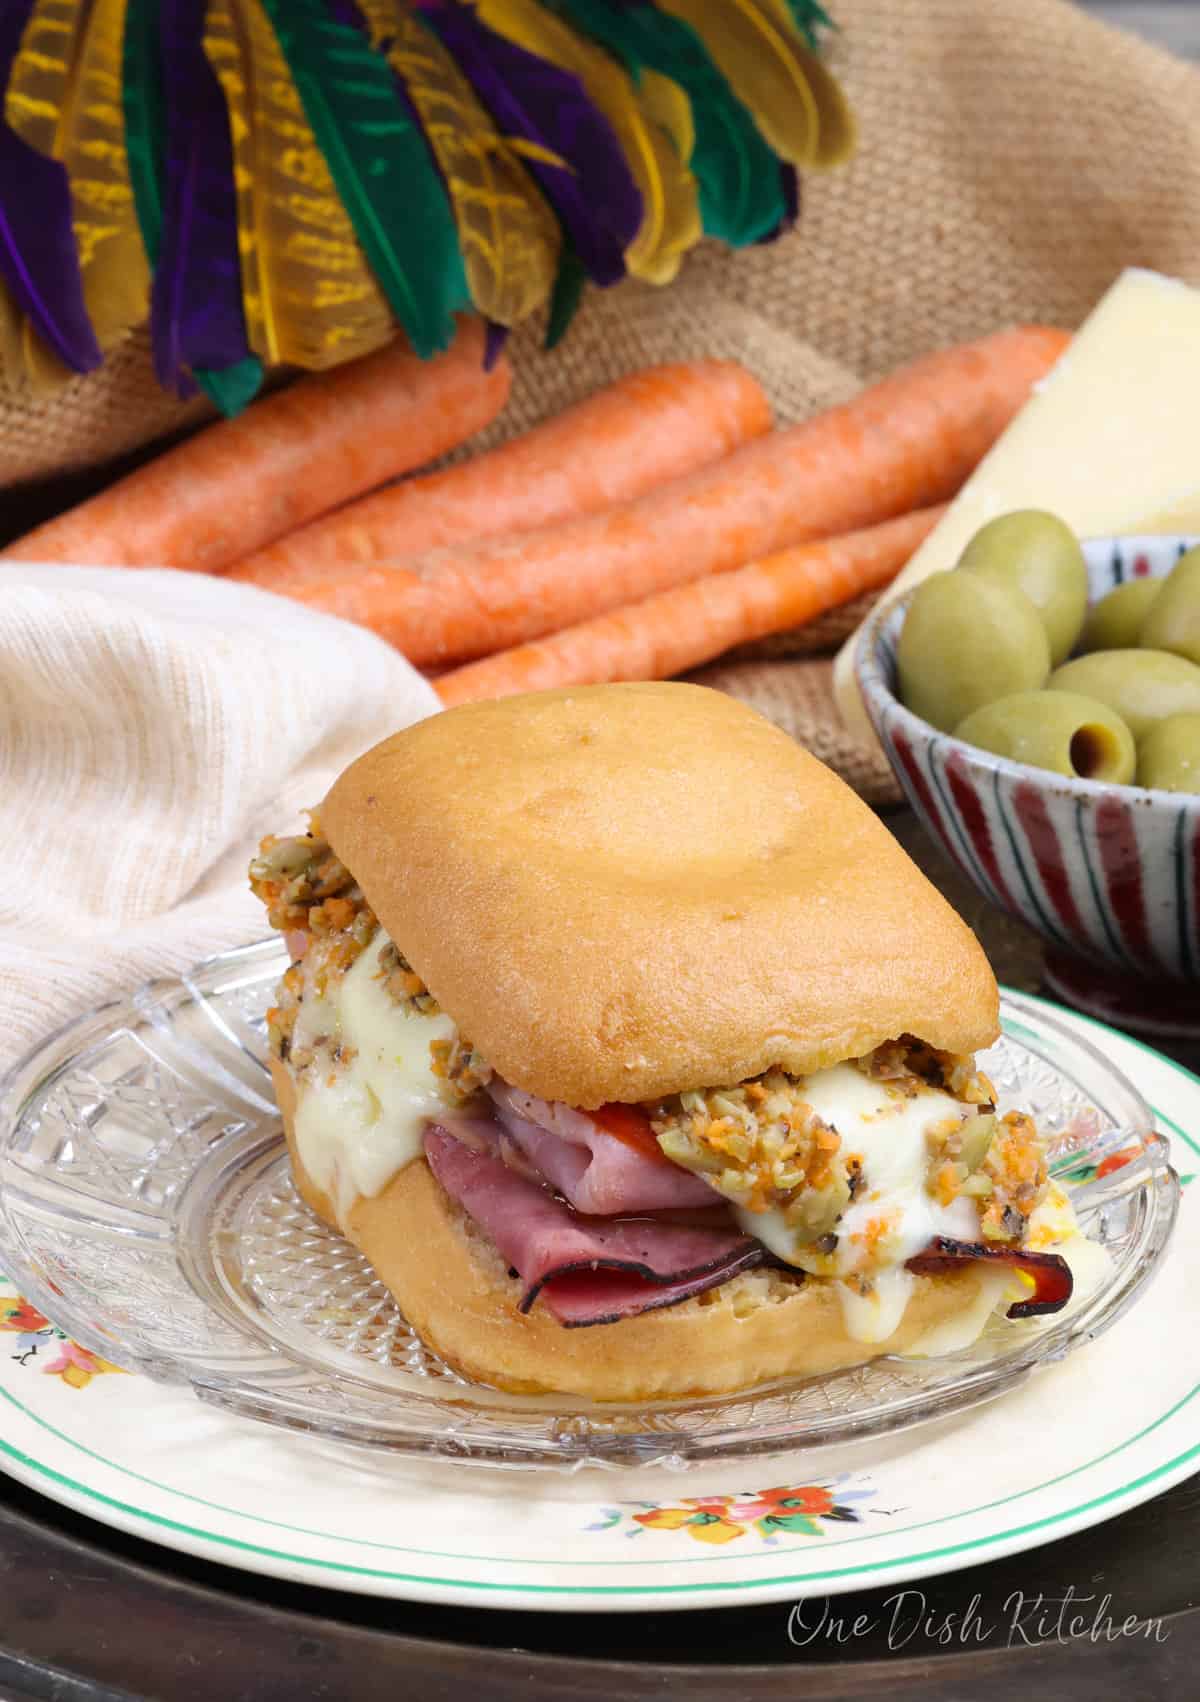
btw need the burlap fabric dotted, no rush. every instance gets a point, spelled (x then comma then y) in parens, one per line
(1016, 154)
(798, 696)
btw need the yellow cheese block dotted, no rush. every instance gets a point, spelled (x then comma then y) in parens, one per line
(1185, 517)
(1110, 437)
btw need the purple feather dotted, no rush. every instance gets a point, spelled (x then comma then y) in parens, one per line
(346, 12)
(196, 315)
(790, 183)
(495, 337)
(38, 257)
(597, 200)
(790, 179)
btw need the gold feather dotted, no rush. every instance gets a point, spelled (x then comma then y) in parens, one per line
(64, 99)
(663, 101)
(509, 237)
(44, 371)
(27, 367)
(756, 47)
(41, 76)
(309, 296)
(671, 217)
(837, 132)
(13, 380)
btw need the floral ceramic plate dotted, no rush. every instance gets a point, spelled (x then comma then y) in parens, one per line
(1087, 1437)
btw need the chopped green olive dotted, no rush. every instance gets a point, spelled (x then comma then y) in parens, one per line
(814, 1211)
(977, 1137)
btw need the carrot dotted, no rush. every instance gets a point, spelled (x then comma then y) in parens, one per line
(690, 624)
(239, 484)
(640, 432)
(905, 443)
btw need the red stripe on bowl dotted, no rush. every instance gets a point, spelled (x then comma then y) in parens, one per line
(920, 786)
(970, 808)
(1043, 840)
(1120, 858)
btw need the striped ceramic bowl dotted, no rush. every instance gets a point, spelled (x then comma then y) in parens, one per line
(1108, 875)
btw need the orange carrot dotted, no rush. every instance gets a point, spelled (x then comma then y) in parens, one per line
(295, 454)
(690, 624)
(905, 443)
(640, 432)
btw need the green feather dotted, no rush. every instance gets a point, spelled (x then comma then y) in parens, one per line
(736, 170)
(381, 166)
(810, 19)
(145, 126)
(231, 387)
(568, 291)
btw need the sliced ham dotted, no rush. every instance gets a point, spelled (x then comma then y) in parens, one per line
(596, 1170)
(1051, 1274)
(588, 1270)
(482, 1134)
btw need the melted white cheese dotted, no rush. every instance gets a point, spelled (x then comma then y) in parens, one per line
(878, 1313)
(359, 1123)
(888, 1134)
(968, 1324)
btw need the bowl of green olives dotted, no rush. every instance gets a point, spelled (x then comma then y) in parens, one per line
(1040, 706)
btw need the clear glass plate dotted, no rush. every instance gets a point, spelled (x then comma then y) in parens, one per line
(147, 1207)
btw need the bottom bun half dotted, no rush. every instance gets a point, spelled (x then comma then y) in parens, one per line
(453, 1287)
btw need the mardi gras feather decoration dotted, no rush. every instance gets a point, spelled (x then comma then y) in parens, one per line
(290, 182)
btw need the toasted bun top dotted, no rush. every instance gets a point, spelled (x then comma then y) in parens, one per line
(624, 891)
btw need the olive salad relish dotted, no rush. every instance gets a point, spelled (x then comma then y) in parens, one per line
(1004, 653)
(759, 1143)
(309, 893)
(763, 1146)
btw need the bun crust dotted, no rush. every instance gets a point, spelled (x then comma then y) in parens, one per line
(625, 891)
(454, 1289)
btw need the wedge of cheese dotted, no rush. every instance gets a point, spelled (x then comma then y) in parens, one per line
(1184, 517)
(1110, 441)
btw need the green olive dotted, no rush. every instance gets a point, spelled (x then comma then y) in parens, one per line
(965, 641)
(1143, 686)
(1169, 755)
(1173, 622)
(1116, 620)
(1059, 730)
(1039, 554)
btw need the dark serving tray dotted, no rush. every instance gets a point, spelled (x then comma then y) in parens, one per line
(89, 1615)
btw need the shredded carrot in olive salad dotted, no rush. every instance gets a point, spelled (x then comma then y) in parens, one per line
(312, 897)
(297, 877)
(763, 1146)
(759, 1143)
(1016, 1167)
(403, 984)
(457, 1063)
(309, 892)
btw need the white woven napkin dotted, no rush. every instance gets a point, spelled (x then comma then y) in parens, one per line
(153, 725)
